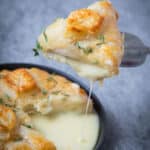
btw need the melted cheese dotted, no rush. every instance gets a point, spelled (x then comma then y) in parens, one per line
(89, 71)
(69, 131)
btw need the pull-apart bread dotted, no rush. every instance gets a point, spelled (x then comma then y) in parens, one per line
(88, 39)
(25, 92)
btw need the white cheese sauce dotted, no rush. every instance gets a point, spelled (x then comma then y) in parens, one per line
(66, 130)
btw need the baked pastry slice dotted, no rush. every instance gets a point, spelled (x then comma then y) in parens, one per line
(88, 39)
(15, 136)
(34, 90)
(29, 91)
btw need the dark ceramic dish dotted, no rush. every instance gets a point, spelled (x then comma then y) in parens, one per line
(97, 105)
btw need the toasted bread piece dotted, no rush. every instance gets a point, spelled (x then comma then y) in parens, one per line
(36, 91)
(39, 91)
(36, 140)
(11, 130)
(88, 39)
(7, 118)
(8, 123)
(16, 82)
(83, 22)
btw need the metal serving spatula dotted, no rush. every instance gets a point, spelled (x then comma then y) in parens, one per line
(135, 51)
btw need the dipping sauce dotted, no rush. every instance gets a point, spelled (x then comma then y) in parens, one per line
(69, 131)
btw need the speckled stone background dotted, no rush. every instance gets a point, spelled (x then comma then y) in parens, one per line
(126, 97)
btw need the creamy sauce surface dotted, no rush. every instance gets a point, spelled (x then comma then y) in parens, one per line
(69, 131)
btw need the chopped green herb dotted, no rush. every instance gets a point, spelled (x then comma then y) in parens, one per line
(60, 92)
(7, 96)
(36, 53)
(8, 105)
(78, 45)
(56, 92)
(38, 46)
(28, 126)
(86, 50)
(95, 62)
(51, 79)
(101, 39)
(1, 101)
(66, 95)
(45, 36)
(36, 50)
(18, 139)
(44, 92)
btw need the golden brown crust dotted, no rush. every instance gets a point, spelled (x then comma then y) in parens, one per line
(37, 91)
(42, 78)
(28, 138)
(42, 92)
(83, 22)
(89, 36)
(20, 80)
(36, 140)
(7, 118)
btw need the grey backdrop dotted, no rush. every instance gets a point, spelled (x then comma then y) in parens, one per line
(126, 97)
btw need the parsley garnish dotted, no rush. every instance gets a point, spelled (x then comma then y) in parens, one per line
(36, 50)
(7, 96)
(28, 126)
(86, 50)
(101, 39)
(36, 53)
(66, 95)
(51, 79)
(44, 92)
(45, 36)
(78, 45)
(38, 46)
(56, 92)
(1, 101)
(8, 105)
(18, 139)
(95, 62)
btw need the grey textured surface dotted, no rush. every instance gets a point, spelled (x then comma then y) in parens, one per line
(126, 97)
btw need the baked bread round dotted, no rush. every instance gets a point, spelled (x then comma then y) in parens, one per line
(88, 39)
(25, 92)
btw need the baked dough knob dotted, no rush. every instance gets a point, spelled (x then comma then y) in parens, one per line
(36, 140)
(83, 22)
(7, 122)
(21, 80)
(17, 82)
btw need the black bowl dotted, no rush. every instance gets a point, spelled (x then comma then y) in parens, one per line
(97, 105)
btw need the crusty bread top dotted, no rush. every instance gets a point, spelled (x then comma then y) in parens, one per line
(36, 90)
(89, 35)
(24, 92)
(15, 136)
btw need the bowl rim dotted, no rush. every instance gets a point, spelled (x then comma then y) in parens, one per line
(96, 101)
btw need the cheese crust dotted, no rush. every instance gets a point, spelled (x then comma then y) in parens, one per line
(88, 36)
(36, 91)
